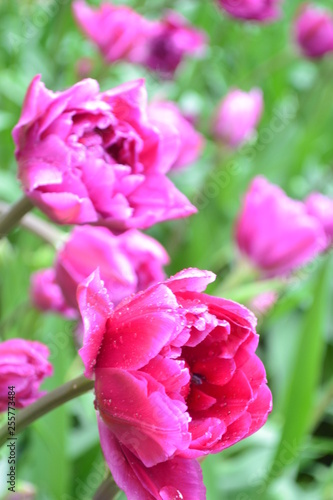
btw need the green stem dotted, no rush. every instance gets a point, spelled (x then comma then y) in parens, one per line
(242, 274)
(41, 228)
(108, 489)
(47, 403)
(13, 215)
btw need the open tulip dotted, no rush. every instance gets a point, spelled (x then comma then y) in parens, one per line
(176, 378)
(90, 157)
(237, 117)
(24, 365)
(252, 10)
(276, 233)
(314, 31)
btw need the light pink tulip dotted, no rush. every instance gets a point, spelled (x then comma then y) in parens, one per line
(321, 207)
(24, 365)
(176, 378)
(90, 157)
(190, 141)
(275, 232)
(314, 31)
(253, 10)
(238, 116)
(46, 294)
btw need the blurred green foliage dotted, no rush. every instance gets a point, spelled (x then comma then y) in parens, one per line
(291, 457)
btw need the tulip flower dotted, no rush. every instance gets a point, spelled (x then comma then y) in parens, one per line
(314, 31)
(176, 378)
(252, 10)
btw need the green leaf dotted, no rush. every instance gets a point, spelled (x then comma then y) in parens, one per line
(303, 377)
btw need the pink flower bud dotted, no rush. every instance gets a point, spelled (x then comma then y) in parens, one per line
(314, 31)
(275, 232)
(23, 366)
(238, 116)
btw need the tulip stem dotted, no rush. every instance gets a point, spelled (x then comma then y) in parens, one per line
(13, 215)
(41, 228)
(47, 403)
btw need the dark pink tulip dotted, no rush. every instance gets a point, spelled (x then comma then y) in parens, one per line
(176, 378)
(90, 157)
(122, 34)
(275, 232)
(314, 31)
(253, 10)
(23, 364)
(46, 294)
(238, 116)
(321, 207)
(173, 41)
(128, 263)
(190, 141)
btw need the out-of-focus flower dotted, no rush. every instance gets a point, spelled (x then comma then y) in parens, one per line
(90, 157)
(46, 294)
(24, 365)
(238, 116)
(128, 263)
(118, 31)
(122, 34)
(314, 31)
(275, 232)
(190, 141)
(321, 207)
(263, 302)
(176, 378)
(174, 40)
(253, 10)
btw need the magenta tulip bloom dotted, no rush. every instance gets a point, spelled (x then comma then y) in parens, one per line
(238, 116)
(176, 378)
(321, 207)
(275, 232)
(190, 141)
(122, 34)
(253, 10)
(24, 365)
(90, 157)
(128, 263)
(118, 31)
(174, 40)
(314, 31)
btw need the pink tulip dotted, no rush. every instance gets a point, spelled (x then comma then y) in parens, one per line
(253, 10)
(314, 31)
(321, 207)
(46, 294)
(176, 378)
(24, 365)
(128, 263)
(86, 157)
(238, 116)
(122, 34)
(173, 41)
(118, 31)
(190, 141)
(275, 232)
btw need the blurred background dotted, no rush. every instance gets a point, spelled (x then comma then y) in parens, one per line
(291, 457)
